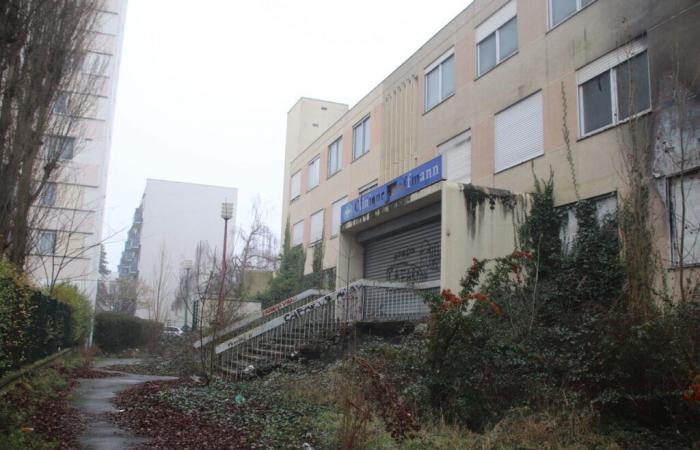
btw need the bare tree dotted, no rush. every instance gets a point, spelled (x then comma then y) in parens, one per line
(123, 295)
(159, 289)
(68, 227)
(44, 91)
(258, 250)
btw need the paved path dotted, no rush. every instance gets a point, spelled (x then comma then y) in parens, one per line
(93, 398)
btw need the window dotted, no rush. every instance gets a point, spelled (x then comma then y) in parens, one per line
(314, 173)
(335, 157)
(46, 243)
(48, 195)
(497, 38)
(96, 63)
(686, 229)
(519, 132)
(336, 210)
(360, 138)
(367, 187)
(61, 104)
(606, 206)
(316, 231)
(560, 10)
(295, 185)
(614, 88)
(457, 158)
(440, 80)
(59, 147)
(109, 23)
(298, 233)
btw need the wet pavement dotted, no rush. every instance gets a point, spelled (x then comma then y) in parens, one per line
(93, 397)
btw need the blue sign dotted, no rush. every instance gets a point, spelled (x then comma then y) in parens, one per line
(408, 183)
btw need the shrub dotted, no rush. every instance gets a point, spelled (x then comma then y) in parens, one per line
(15, 317)
(32, 325)
(80, 307)
(116, 331)
(543, 323)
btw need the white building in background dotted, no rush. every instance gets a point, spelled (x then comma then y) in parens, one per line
(68, 241)
(170, 223)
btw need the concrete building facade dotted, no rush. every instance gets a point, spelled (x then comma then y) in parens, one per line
(71, 207)
(172, 220)
(429, 169)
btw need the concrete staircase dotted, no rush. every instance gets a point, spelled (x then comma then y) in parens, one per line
(280, 332)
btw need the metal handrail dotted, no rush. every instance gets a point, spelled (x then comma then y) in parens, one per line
(339, 296)
(256, 318)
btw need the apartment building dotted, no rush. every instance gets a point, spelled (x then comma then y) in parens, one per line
(429, 169)
(173, 219)
(70, 211)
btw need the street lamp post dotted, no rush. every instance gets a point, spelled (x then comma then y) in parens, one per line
(226, 214)
(187, 265)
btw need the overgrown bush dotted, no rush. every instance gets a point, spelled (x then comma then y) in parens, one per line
(32, 325)
(15, 317)
(547, 323)
(289, 279)
(115, 332)
(80, 307)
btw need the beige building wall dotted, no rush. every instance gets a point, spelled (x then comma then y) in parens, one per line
(306, 121)
(77, 214)
(404, 135)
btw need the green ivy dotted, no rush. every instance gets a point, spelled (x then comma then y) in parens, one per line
(547, 323)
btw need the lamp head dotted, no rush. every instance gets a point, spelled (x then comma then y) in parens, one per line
(226, 210)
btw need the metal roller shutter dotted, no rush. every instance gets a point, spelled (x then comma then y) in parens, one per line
(412, 255)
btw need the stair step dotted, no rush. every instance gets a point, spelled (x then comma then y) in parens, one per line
(268, 352)
(284, 347)
(252, 357)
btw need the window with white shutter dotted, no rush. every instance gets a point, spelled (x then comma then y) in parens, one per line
(519, 132)
(361, 134)
(613, 88)
(336, 210)
(316, 232)
(295, 185)
(685, 218)
(497, 38)
(335, 157)
(440, 80)
(457, 158)
(314, 172)
(606, 207)
(298, 233)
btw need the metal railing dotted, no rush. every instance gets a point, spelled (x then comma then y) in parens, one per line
(257, 318)
(270, 339)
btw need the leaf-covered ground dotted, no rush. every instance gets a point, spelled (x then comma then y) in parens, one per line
(36, 413)
(251, 415)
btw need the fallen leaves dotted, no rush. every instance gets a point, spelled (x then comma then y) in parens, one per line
(168, 427)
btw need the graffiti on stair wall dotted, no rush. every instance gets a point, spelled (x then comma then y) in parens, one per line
(338, 295)
(413, 264)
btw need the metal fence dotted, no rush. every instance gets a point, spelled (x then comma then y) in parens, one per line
(285, 330)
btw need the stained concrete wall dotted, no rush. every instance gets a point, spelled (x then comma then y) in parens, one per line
(476, 223)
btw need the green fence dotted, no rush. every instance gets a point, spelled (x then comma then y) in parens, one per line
(32, 325)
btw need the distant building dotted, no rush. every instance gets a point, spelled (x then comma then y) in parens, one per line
(172, 220)
(68, 236)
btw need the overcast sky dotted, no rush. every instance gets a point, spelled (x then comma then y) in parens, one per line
(205, 86)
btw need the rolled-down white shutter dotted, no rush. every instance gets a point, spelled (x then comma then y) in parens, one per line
(298, 233)
(295, 186)
(316, 232)
(457, 158)
(519, 132)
